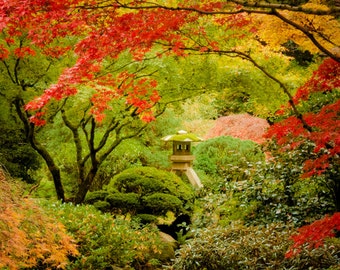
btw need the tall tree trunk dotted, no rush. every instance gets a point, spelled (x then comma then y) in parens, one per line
(30, 135)
(53, 168)
(85, 185)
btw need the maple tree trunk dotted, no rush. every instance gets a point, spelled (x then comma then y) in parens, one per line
(85, 185)
(30, 135)
(54, 170)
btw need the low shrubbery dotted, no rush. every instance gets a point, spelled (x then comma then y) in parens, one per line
(105, 242)
(226, 159)
(29, 238)
(256, 247)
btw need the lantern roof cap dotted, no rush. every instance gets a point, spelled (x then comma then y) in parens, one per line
(182, 136)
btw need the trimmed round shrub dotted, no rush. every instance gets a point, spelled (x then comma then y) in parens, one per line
(146, 218)
(160, 204)
(125, 202)
(102, 206)
(95, 196)
(148, 180)
(146, 190)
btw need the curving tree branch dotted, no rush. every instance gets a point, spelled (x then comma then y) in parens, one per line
(307, 33)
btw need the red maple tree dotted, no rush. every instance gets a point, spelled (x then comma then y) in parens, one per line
(314, 234)
(320, 127)
(101, 33)
(94, 34)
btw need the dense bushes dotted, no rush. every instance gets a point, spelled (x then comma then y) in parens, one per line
(271, 190)
(226, 158)
(105, 242)
(16, 154)
(254, 247)
(144, 191)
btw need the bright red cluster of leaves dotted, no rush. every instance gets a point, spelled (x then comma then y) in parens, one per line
(326, 78)
(325, 123)
(102, 33)
(140, 93)
(314, 234)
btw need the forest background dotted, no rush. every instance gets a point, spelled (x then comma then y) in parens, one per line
(89, 88)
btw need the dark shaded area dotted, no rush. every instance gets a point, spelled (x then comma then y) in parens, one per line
(16, 155)
(180, 226)
(303, 58)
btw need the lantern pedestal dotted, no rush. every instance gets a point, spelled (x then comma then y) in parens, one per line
(181, 162)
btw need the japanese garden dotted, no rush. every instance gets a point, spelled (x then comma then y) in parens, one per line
(169, 134)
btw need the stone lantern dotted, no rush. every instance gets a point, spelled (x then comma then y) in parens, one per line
(182, 157)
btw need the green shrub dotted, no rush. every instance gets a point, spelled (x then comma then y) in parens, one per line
(146, 190)
(16, 155)
(255, 247)
(280, 194)
(102, 206)
(160, 204)
(105, 242)
(125, 202)
(148, 180)
(227, 158)
(146, 218)
(94, 196)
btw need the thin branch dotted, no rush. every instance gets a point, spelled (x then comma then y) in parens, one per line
(247, 57)
(249, 7)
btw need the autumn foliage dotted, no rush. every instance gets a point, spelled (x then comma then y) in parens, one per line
(321, 126)
(314, 234)
(29, 238)
(242, 126)
(100, 34)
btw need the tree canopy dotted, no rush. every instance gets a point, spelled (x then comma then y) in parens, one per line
(66, 52)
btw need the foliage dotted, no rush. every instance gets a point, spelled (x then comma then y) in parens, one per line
(29, 238)
(317, 126)
(242, 126)
(16, 155)
(105, 242)
(227, 157)
(276, 193)
(145, 190)
(315, 234)
(255, 247)
(78, 72)
(288, 32)
(273, 192)
(145, 150)
(249, 91)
